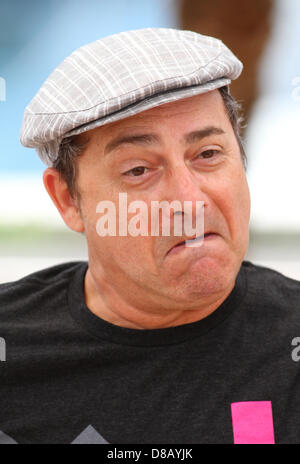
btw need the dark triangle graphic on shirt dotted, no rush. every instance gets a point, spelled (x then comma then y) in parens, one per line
(6, 439)
(89, 436)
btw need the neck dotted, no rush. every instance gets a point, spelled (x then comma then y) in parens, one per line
(106, 302)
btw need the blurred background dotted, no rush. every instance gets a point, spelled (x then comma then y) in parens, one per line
(36, 36)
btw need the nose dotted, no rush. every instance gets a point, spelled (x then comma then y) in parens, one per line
(182, 184)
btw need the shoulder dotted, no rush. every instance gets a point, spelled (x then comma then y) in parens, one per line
(272, 296)
(34, 311)
(263, 280)
(45, 285)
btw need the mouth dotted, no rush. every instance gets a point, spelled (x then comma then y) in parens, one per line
(195, 239)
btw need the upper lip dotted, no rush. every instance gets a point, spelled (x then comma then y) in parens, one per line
(189, 238)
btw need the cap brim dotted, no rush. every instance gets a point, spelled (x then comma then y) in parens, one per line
(150, 102)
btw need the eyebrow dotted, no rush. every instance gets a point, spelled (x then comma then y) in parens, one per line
(150, 139)
(198, 135)
(143, 139)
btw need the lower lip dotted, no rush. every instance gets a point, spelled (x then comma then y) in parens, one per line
(182, 246)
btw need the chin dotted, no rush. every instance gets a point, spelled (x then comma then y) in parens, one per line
(205, 277)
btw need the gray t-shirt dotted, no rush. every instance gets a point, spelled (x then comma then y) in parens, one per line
(70, 376)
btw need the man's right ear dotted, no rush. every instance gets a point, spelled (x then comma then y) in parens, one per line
(58, 190)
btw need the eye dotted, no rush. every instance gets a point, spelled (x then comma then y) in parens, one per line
(136, 172)
(209, 154)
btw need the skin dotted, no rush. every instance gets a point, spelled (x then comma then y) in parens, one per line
(136, 282)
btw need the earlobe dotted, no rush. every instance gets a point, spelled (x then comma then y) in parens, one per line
(58, 191)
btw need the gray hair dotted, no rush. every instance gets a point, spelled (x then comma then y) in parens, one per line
(70, 148)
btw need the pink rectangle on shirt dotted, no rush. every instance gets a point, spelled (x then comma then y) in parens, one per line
(252, 422)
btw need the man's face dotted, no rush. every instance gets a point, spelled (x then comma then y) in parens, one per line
(184, 151)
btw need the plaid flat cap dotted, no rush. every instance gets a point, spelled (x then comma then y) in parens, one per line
(122, 75)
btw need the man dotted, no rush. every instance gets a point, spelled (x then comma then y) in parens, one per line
(159, 338)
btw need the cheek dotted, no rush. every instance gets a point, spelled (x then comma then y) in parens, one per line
(95, 197)
(232, 197)
(122, 255)
(240, 216)
(242, 198)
